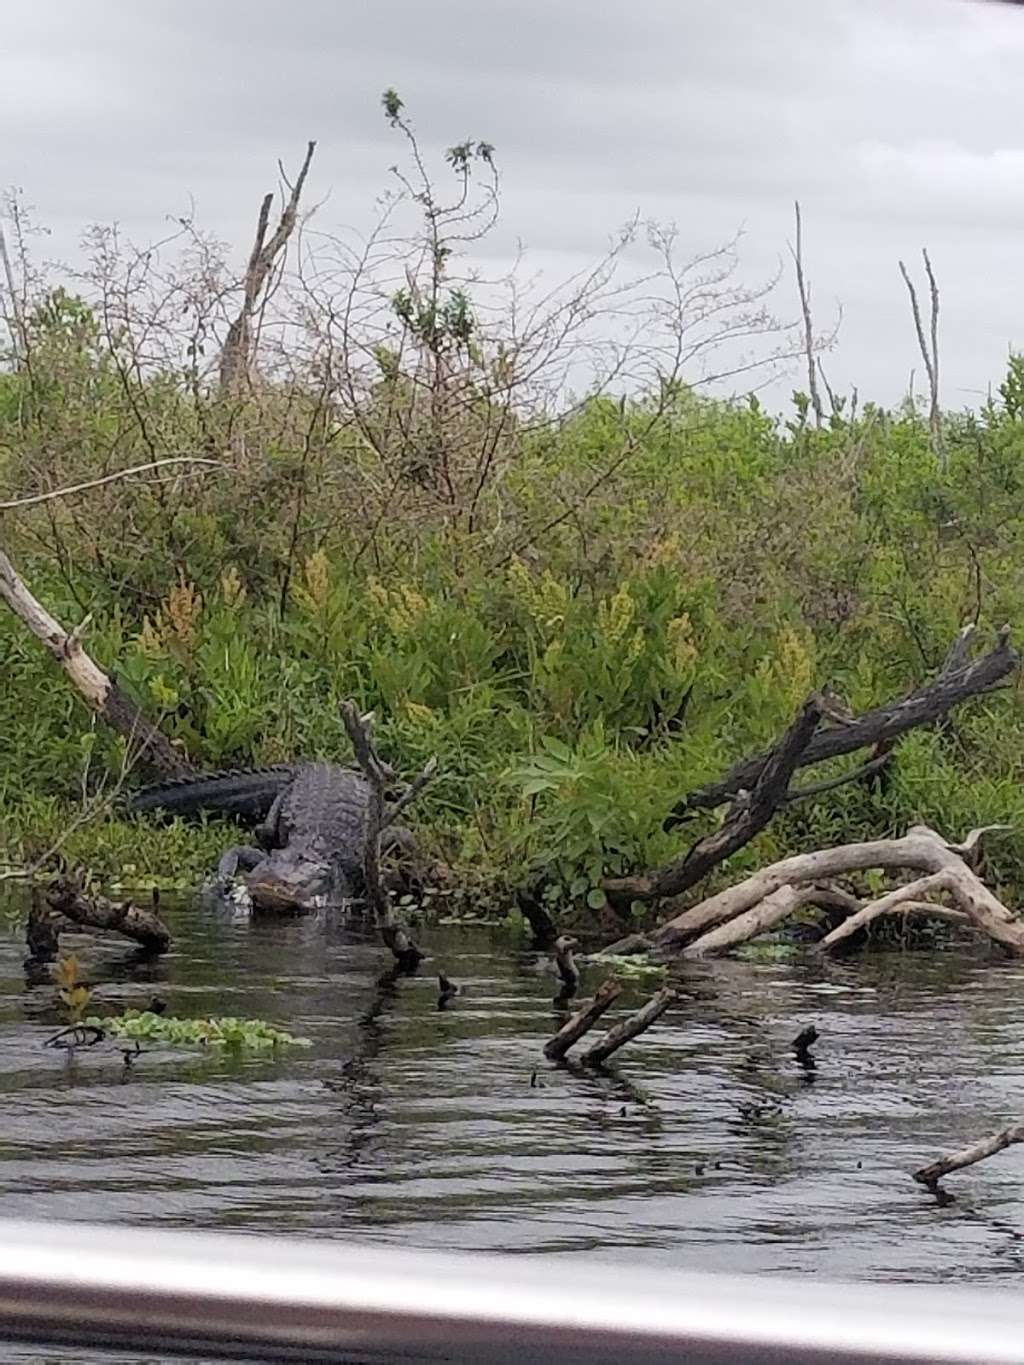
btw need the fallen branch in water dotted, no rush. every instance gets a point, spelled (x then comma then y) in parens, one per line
(380, 777)
(771, 911)
(64, 907)
(901, 899)
(630, 1028)
(583, 1020)
(920, 850)
(968, 1156)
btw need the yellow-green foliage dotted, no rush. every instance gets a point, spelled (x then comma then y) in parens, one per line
(573, 684)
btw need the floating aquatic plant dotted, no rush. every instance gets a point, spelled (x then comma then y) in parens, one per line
(225, 1031)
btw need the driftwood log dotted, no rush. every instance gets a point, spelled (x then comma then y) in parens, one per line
(757, 898)
(775, 907)
(758, 786)
(63, 907)
(931, 1174)
(100, 692)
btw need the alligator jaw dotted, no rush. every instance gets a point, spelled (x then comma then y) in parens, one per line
(273, 895)
(280, 885)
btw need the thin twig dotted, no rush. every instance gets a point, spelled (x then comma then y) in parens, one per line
(410, 794)
(34, 499)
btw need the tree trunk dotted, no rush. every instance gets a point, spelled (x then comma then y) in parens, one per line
(749, 815)
(769, 912)
(236, 355)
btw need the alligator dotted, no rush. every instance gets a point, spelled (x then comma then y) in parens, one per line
(311, 834)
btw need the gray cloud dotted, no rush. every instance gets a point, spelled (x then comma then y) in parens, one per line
(898, 123)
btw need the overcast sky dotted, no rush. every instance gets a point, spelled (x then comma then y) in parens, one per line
(897, 123)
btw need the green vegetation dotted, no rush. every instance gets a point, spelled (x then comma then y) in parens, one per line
(223, 1032)
(583, 608)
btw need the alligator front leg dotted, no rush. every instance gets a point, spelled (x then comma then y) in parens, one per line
(238, 859)
(268, 833)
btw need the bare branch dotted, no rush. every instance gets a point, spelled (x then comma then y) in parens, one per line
(34, 499)
(15, 320)
(101, 694)
(583, 1020)
(805, 308)
(968, 1156)
(378, 775)
(922, 707)
(920, 850)
(630, 1028)
(929, 347)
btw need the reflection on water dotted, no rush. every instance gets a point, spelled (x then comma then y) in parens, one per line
(706, 1146)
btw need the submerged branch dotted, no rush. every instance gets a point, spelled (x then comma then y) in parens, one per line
(632, 1027)
(583, 1020)
(968, 1156)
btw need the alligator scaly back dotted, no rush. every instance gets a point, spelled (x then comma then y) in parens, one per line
(245, 793)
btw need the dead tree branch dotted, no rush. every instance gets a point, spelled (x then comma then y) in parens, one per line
(805, 308)
(236, 355)
(924, 706)
(776, 907)
(914, 892)
(750, 813)
(929, 347)
(15, 320)
(410, 794)
(380, 776)
(34, 499)
(65, 907)
(630, 1028)
(583, 1020)
(920, 850)
(931, 1174)
(100, 692)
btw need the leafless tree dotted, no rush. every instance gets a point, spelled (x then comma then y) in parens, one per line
(929, 347)
(804, 288)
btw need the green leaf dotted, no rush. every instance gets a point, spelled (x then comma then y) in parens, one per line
(596, 898)
(556, 747)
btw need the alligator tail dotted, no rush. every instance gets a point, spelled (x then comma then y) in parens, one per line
(245, 793)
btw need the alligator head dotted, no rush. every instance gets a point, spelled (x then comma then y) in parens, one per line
(289, 879)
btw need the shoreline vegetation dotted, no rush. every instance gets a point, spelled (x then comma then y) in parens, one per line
(512, 523)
